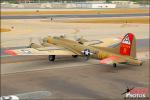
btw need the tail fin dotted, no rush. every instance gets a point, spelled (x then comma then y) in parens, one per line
(128, 45)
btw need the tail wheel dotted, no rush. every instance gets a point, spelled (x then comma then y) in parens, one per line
(51, 57)
(74, 56)
(141, 63)
(114, 65)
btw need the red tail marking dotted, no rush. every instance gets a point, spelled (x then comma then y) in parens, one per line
(10, 52)
(125, 46)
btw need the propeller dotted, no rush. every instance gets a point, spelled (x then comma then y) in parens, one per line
(43, 41)
(40, 40)
(80, 39)
(34, 45)
(63, 36)
(77, 38)
(30, 42)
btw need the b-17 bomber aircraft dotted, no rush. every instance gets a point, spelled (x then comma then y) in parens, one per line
(122, 53)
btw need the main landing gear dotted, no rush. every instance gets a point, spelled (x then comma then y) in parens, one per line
(51, 57)
(74, 56)
(141, 63)
(114, 65)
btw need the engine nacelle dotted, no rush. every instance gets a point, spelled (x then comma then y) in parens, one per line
(33, 45)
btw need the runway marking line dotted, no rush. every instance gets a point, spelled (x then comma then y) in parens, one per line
(75, 66)
(5, 62)
(139, 20)
(85, 65)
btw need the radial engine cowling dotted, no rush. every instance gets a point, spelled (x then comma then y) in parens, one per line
(33, 45)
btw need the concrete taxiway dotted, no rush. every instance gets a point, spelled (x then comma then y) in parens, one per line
(70, 16)
(70, 78)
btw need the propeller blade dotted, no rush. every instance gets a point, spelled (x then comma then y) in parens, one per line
(30, 42)
(40, 40)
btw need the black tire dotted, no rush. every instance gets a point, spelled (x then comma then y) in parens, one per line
(87, 57)
(114, 65)
(51, 57)
(141, 64)
(74, 56)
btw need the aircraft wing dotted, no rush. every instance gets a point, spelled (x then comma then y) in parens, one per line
(40, 51)
(108, 42)
(113, 59)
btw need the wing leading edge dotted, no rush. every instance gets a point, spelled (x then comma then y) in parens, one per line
(32, 51)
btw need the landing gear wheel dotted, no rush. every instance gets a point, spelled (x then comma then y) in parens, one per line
(74, 56)
(114, 65)
(87, 57)
(141, 64)
(51, 57)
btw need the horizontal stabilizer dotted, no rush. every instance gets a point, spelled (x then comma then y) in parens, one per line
(112, 59)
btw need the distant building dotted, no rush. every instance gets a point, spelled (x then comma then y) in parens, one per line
(58, 1)
(24, 1)
(103, 5)
(122, 3)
